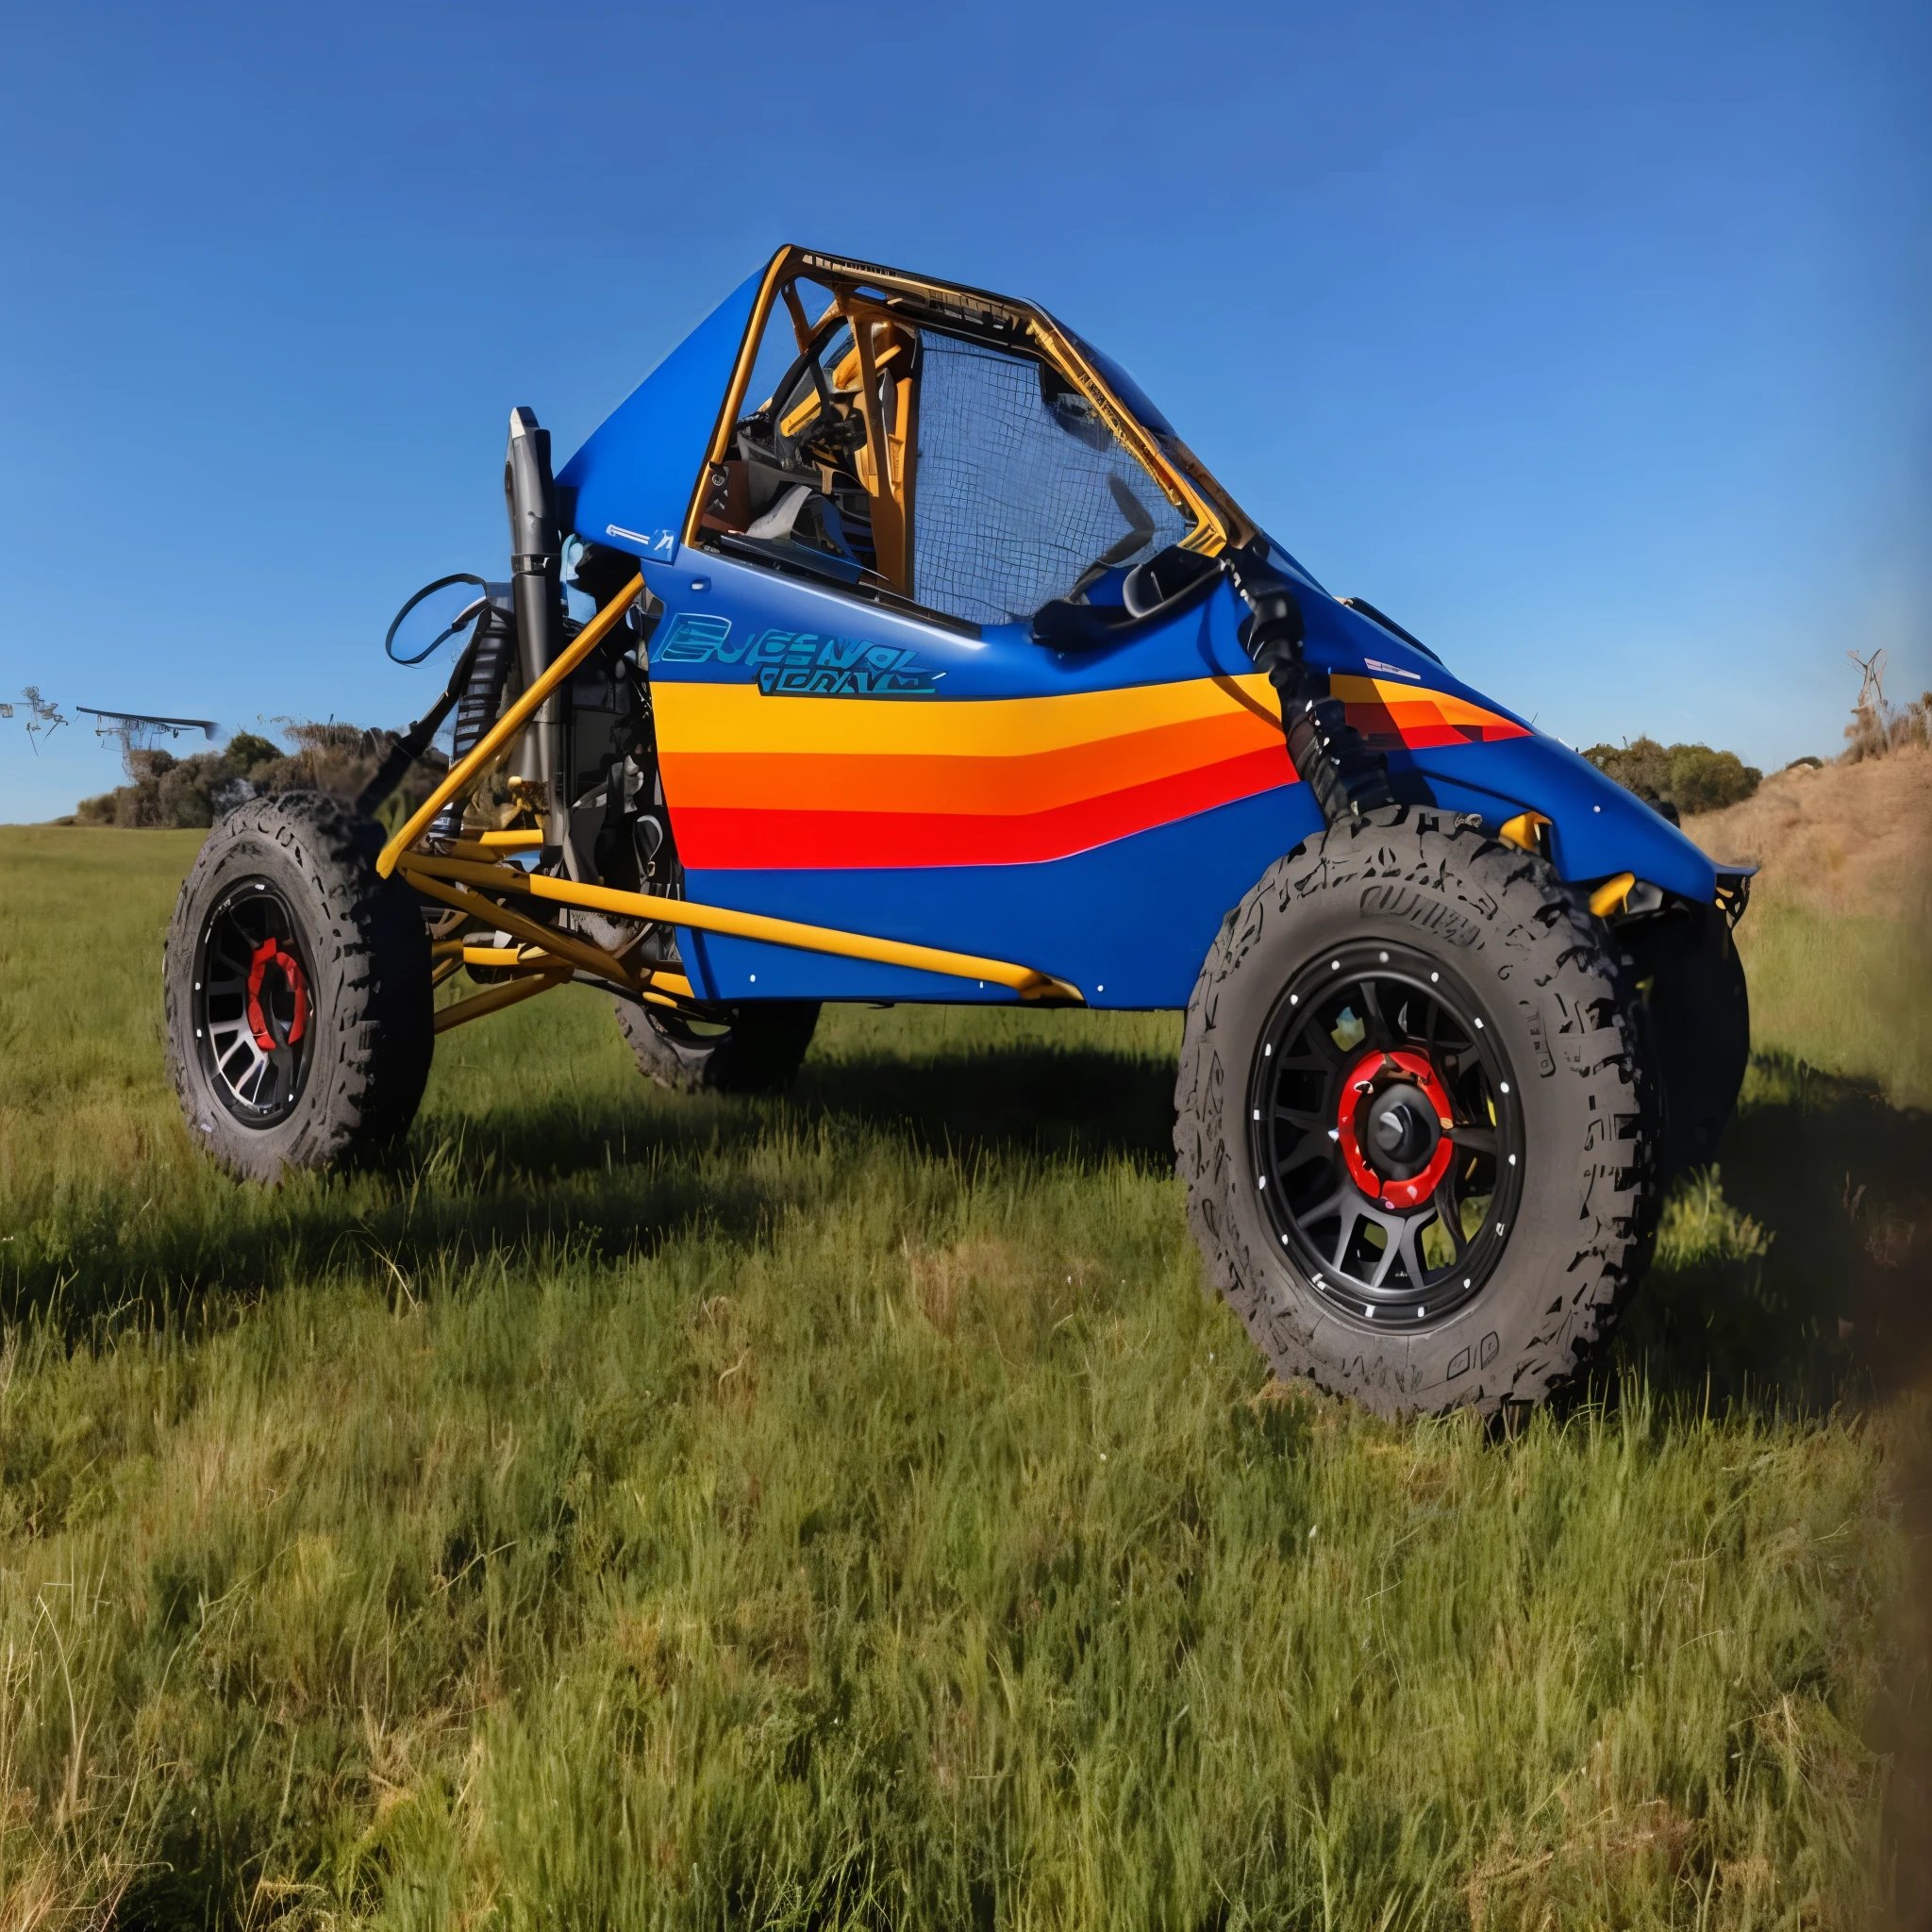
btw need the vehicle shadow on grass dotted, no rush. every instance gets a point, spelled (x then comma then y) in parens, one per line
(1796, 1277)
(1078, 1105)
(519, 1186)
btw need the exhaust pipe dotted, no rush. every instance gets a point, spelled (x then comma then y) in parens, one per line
(535, 564)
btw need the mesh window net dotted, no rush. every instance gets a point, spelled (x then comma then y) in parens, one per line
(1019, 495)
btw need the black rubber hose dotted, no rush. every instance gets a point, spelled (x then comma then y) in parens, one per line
(415, 740)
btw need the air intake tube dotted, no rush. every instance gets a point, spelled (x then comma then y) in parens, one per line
(536, 563)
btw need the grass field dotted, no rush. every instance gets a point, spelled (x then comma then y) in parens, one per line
(847, 1510)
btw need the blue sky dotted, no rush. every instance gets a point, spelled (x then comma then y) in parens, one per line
(1592, 342)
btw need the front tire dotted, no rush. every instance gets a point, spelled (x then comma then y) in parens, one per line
(297, 982)
(1417, 1132)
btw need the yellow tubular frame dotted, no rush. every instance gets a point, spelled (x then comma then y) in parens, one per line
(1612, 894)
(494, 999)
(1524, 831)
(435, 876)
(430, 874)
(465, 770)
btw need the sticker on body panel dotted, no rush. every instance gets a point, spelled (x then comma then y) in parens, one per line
(799, 663)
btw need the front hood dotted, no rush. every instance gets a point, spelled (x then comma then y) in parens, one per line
(634, 479)
(1473, 755)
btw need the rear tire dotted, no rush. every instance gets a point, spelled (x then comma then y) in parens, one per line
(753, 1048)
(297, 985)
(1497, 988)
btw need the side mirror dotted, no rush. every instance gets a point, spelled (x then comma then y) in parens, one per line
(436, 613)
(1163, 578)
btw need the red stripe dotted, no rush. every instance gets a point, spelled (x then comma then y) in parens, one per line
(719, 837)
(1423, 725)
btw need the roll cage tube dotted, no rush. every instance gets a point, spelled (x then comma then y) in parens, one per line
(906, 300)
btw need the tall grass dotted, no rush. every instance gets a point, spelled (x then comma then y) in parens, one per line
(1848, 993)
(847, 1510)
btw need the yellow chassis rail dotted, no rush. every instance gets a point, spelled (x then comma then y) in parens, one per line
(474, 879)
(439, 876)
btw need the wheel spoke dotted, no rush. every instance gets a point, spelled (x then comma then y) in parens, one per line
(1313, 1146)
(1318, 1202)
(1393, 1230)
(1449, 1211)
(1411, 1246)
(1315, 1053)
(1328, 1204)
(1376, 1030)
(1351, 1219)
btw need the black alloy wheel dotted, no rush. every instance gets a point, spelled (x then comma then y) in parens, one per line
(1416, 1119)
(252, 1005)
(295, 985)
(1386, 1133)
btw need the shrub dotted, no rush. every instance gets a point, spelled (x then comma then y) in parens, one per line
(196, 790)
(1691, 777)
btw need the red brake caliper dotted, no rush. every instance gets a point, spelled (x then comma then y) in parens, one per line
(1357, 1088)
(266, 955)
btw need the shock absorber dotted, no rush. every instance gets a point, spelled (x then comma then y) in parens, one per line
(493, 649)
(535, 580)
(1346, 778)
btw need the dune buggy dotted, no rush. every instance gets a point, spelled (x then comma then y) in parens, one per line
(887, 644)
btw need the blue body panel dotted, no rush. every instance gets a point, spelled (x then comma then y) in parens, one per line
(1128, 923)
(635, 476)
(1600, 828)
(1083, 917)
(1002, 661)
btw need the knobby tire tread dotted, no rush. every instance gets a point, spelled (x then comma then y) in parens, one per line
(1583, 983)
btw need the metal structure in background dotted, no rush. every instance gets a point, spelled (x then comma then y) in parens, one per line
(43, 717)
(142, 730)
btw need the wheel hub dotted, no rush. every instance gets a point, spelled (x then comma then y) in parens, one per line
(272, 955)
(1393, 1124)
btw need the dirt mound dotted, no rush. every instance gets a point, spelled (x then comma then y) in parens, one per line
(1843, 838)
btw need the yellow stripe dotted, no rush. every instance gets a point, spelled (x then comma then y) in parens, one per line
(740, 718)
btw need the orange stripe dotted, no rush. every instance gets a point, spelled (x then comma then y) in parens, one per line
(1036, 782)
(1388, 714)
(722, 838)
